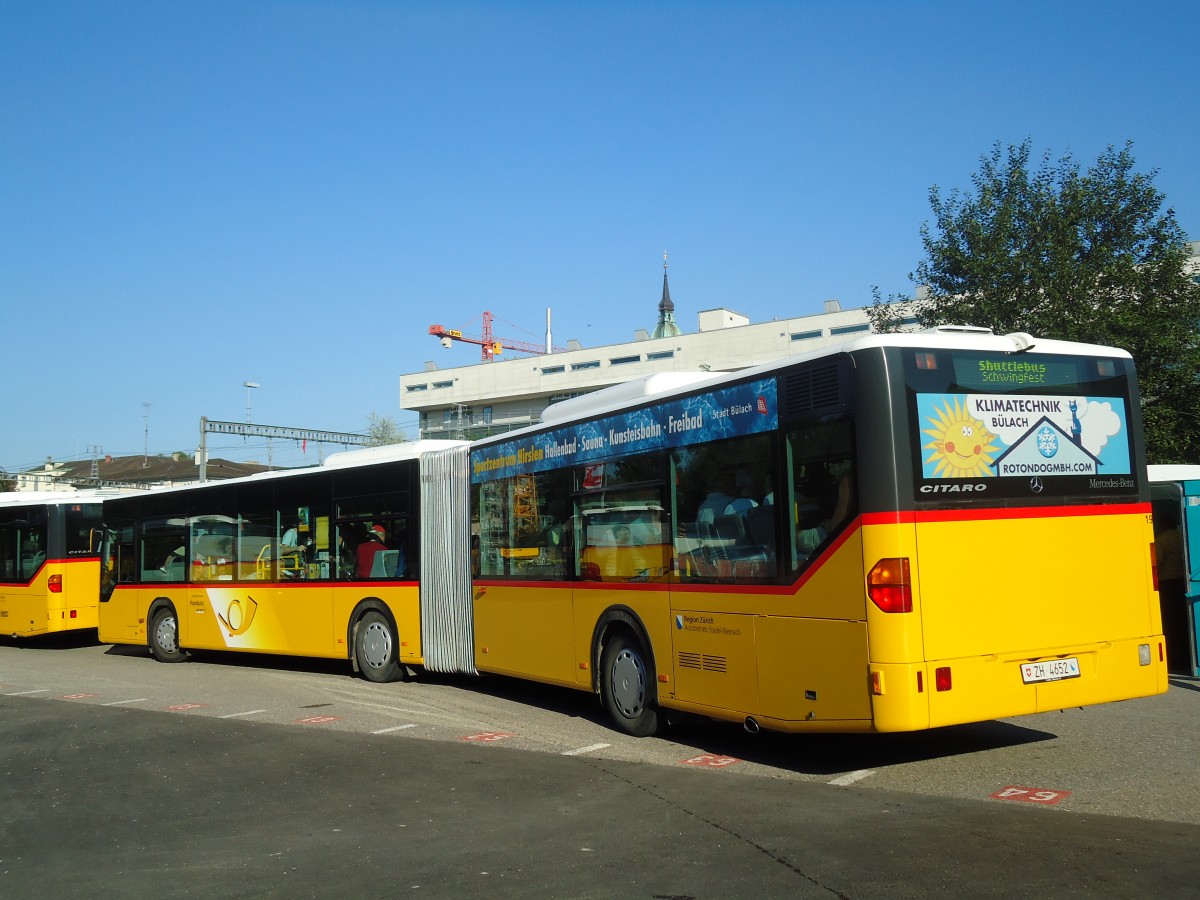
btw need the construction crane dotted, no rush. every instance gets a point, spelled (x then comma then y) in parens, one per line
(491, 345)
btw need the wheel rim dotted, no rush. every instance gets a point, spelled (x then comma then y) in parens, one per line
(628, 683)
(166, 634)
(376, 642)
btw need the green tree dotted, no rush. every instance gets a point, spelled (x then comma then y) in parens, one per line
(1059, 252)
(383, 430)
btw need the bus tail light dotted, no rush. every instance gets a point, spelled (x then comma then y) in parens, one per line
(889, 587)
(55, 584)
(941, 678)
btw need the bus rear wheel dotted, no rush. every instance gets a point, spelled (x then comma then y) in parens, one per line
(164, 637)
(375, 647)
(625, 687)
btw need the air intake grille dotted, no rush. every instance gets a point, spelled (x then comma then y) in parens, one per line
(815, 392)
(702, 662)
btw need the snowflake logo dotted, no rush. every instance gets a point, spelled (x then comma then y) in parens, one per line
(1047, 441)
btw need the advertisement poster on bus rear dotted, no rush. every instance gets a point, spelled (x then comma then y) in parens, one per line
(1023, 436)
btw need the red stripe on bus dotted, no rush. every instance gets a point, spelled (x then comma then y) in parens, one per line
(911, 517)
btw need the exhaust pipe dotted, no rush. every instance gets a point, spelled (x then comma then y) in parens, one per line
(750, 725)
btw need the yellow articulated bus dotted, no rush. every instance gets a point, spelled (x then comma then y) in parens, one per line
(49, 561)
(899, 533)
(321, 562)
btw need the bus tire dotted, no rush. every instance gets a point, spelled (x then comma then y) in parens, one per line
(164, 636)
(375, 648)
(626, 689)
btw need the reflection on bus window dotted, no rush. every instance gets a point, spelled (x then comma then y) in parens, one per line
(725, 506)
(625, 539)
(524, 526)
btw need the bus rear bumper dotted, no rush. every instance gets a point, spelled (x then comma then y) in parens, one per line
(908, 697)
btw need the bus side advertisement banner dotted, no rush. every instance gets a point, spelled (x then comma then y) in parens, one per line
(730, 412)
(1022, 436)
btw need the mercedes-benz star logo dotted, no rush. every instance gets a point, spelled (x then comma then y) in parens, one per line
(1035, 485)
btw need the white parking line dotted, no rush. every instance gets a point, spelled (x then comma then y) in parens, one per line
(851, 777)
(23, 693)
(587, 749)
(119, 702)
(249, 712)
(394, 728)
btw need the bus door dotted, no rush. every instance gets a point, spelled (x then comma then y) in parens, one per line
(1176, 506)
(1191, 535)
(723, 553)
(523, 614)
(23, 572)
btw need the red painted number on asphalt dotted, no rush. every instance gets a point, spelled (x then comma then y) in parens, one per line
(710, 761)
(488, 737)
(1031, 795)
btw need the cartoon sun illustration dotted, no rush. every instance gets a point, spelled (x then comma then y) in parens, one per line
(959, 446)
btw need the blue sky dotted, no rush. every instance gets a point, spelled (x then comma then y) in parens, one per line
(195, 195)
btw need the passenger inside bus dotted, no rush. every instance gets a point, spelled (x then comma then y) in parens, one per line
(375, 543)
(293, 552)
(712, 506)
(745, 500)
(832, 516)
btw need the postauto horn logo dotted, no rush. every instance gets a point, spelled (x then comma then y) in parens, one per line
(237, 617)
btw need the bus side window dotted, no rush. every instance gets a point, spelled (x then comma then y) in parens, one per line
(822, 489)
(724, 503)
(525, 526)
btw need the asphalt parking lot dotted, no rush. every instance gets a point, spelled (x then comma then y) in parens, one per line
(286, 778)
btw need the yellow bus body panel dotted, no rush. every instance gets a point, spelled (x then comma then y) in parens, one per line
(299, 620)
(526, 630)
(820, 656)
(1066, 580)
(1076, 586)
(33, 609)
(795, 658)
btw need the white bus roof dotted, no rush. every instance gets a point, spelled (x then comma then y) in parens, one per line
(387, 453)
(59, 498)
(949, 337)
(345, 460)
(1173, 473)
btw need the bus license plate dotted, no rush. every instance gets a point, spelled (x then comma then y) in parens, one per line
(1050, 670)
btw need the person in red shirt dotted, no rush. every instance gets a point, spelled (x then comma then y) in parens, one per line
(376, 542)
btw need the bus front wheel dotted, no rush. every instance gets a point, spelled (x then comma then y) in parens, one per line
(375, 647)
(164, 637)
(625, 687)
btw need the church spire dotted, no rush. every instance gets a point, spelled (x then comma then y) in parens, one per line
(666, 310)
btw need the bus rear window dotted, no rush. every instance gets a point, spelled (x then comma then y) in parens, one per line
(1018, 426)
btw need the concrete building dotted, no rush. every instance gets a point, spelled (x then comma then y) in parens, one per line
(500, 395)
